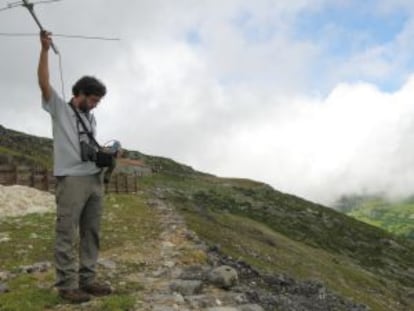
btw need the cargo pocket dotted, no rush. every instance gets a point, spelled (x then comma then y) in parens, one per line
(64, 206)
(60, 180)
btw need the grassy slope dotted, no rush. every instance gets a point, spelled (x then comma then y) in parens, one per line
(129, 225)
(279, 233)
(20, 148)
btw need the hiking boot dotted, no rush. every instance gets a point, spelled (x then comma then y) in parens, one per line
(97, 289)
(74, 295)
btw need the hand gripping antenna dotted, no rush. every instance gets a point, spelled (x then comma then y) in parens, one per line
(29, 6)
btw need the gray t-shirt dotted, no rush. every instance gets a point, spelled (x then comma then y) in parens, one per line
(66, 139)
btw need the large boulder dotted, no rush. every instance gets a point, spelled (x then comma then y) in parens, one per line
(223, 277)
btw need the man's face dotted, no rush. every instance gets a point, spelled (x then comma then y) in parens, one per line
(87, 103)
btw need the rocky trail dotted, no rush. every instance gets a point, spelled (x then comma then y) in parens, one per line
(175, 283)
(223, 284)
(178, 271)
(164, 276)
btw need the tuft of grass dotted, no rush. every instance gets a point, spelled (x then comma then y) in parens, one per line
(30, 240)
(127, 219)
(193, 257)
(25, 294)
(116, 303)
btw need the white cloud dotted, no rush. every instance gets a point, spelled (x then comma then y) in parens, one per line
(234, 102)
(319, 148)
(357, 139)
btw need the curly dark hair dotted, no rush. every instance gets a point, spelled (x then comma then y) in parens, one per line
(88, 85)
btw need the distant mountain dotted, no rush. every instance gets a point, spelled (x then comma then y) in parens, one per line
(280, 237)
(396, 216)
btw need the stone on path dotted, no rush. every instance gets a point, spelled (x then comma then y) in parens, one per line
(186, 287)
(223, 277)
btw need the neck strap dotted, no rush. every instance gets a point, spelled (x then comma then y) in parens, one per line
(84, 125)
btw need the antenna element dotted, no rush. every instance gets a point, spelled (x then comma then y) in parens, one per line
(29, 6)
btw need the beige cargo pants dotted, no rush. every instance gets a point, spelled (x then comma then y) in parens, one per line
(78, 215)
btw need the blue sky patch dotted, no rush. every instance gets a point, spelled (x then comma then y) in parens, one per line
(193, 37)
(345, 30)
(342, 31)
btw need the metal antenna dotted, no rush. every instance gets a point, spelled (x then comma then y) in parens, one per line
(29, 6)
(26, 34)
(11, 5)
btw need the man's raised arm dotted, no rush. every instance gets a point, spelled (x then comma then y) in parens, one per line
(43, 68)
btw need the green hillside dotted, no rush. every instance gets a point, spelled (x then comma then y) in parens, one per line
(394, 216)
(281, 233)
(24, 149)
(248, 222)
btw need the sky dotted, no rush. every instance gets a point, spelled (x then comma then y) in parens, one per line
(314, 97)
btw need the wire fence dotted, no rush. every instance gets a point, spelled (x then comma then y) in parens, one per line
(44, 180)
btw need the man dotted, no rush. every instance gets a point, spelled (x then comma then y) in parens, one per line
(79, 190)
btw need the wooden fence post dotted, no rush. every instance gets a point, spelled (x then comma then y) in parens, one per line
(39, 178)
(46, 179)
(116, 184)
(15, 175)
(32, 177)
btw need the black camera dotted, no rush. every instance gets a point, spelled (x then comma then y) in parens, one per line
(105, 158)
(101, 157)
